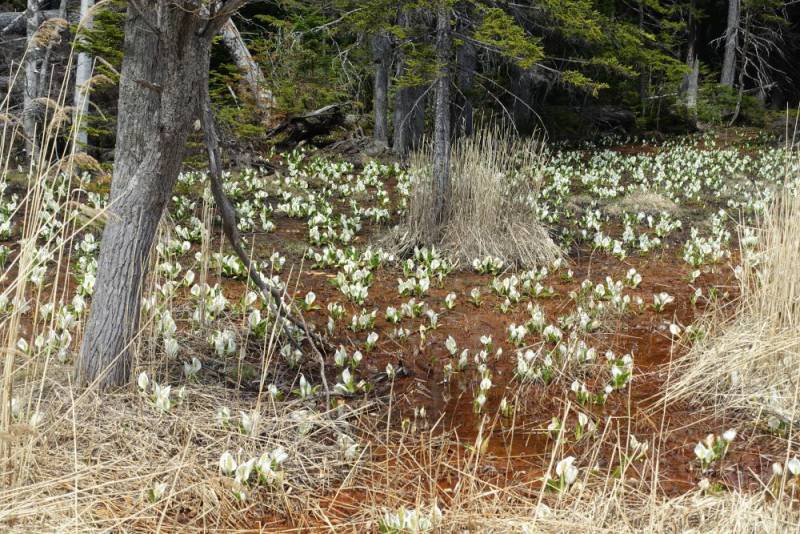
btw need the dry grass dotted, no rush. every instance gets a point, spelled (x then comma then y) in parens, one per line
(492, 210)
(49, 32)
(750, 361)
(87, 465)
(616, 510)
(646, 201)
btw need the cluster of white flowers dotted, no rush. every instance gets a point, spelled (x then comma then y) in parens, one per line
(159, 395)
(265, 470)
(405, 521)
(713, 448)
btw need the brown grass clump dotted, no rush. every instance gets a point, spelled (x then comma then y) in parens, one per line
(618, 510)
(750, 360)
(639, 200)
(89, 464)
(492, 208)
(82, 161)
(49, 33)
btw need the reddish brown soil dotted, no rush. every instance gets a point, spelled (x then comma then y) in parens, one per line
(522, 451)
(526, 452)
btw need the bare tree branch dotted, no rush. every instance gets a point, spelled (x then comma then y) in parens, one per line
(228, 214)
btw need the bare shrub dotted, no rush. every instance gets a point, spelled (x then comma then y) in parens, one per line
(494, 177)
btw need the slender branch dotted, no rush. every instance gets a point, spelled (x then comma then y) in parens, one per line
(228, 214)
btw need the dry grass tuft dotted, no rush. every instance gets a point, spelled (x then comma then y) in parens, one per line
(82, 161)
(646, 201)
(750, 361)
(49, 33)
(48, 103)
(89, 464)
(492, 209)
(617, 510)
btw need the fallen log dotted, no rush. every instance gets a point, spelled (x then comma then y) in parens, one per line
(13, 22)
(306, 127)
(608, 117)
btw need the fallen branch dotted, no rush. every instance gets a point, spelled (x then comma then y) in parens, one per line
(305, 127)
(228, 214)
(13, 23)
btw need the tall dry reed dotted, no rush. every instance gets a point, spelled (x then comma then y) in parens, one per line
(492, 210)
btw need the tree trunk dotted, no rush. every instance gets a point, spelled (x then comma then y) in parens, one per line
(381, 48)
(409, 109)
(45, 69)
(742, 71)
(158, 102)
(691, 81)
(33, 58)
(467, 61)
(522, 91)
(251, 72)
(409, 119)
(441, 131)
(643, 76)
(731, 38)
(83, 71)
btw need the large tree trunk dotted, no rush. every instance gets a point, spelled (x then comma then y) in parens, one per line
(467, 61)
(691, 80)
(83, 71)
(409, 119)
(33, 59)
(409, 109)
(381, 49)
(251, 72)
(643, 74)
(731, 38)
(441, 130)
(158, 102)
(522, 91)
(692, 84)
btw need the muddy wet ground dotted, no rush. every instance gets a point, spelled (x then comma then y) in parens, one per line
(521, 449)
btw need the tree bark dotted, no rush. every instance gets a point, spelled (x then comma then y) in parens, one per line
(441, 131)
(33, 57)
(731, 38)
(409, 109)
(643, 76)
(83, 71)
(692, 84)
(522, 91)
(158, 102)
(251, 72)
(381, 49)
(467, 61)
(691, 80)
